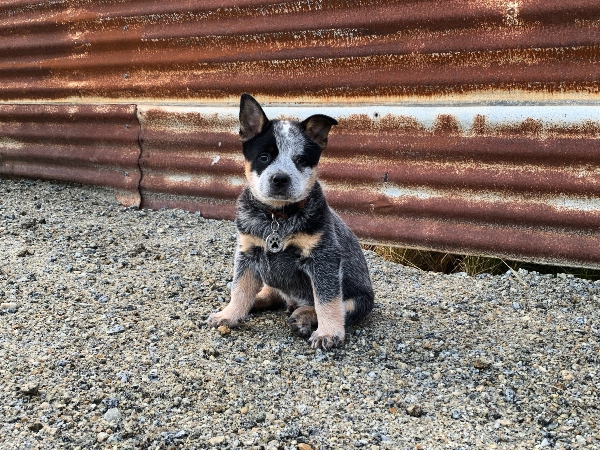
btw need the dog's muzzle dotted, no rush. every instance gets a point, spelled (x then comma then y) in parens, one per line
(280, 183)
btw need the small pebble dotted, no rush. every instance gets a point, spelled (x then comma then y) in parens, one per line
(23, 252)
(29, 389)
(113, 416)
(116, 329)
(415, 410)
(9, 306)
(481, 363)
(224, 330)
(456, 414)
(216, 440)
(35, 426)
(302, 410)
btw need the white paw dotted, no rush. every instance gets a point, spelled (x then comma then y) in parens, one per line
(222, 318)
(326, 340)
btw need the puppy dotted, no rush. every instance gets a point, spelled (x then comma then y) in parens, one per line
(291, 246)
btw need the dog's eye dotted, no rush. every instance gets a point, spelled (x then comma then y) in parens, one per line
(264, 157)
(301, 160)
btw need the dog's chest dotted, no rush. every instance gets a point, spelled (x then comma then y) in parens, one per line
(284, 269)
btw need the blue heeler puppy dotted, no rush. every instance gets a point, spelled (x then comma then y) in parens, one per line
(291, 246)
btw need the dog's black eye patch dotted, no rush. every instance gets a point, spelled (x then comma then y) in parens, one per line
(261, 150)
(263, 159)
(310, 155)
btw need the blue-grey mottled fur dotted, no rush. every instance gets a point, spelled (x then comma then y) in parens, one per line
(321, 270)
(336, 265)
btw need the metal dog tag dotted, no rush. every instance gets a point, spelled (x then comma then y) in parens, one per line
(274, 241)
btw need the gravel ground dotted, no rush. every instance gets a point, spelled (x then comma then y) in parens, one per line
(102, 344)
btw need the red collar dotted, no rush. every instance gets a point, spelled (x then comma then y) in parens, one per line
(293, 208)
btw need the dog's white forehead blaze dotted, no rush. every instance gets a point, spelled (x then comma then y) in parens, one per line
(289, 138)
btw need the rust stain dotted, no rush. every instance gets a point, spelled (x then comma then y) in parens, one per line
(446, 124)
(374, 51)
(388, 123)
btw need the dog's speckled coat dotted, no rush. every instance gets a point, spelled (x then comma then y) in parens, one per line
(321, 272)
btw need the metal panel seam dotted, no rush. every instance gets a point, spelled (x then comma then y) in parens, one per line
(141, 151)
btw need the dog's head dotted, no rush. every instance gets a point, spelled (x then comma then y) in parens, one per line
(281, 156)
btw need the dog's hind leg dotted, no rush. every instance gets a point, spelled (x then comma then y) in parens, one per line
(268, 298)
(303, 320)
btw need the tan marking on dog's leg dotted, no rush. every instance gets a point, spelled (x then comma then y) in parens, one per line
(331, 318)
(268, 298)
(303, 320)
(243, 295)
(349, 305)
(304, 241)
(248, 241)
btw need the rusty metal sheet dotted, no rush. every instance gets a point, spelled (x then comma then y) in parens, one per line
(91, 144)
(520, 182)
(309, 51)
(495, 152)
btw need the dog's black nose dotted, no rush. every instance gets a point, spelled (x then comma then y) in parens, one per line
(280, 180)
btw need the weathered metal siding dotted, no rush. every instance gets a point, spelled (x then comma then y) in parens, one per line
(306, 50)
(478, 180)
(92, 144)
(465, 126)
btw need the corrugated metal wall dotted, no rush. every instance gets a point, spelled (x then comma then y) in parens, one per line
(465, 126)
(340, 50)
(90, 144)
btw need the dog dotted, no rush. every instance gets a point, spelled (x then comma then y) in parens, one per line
(292, 248)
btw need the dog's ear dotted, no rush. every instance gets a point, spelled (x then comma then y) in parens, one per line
(252, 118)
(317, 128)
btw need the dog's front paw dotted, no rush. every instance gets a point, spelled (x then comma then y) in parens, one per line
(221, 318)
(326, 340)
